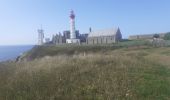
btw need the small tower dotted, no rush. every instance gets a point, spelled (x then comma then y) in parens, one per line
(40, 36)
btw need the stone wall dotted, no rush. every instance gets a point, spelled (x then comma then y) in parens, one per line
(147, 36)
(101, 40)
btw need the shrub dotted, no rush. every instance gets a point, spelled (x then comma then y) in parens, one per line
(167, 36)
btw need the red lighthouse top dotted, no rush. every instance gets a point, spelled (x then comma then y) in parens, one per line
(72, 15)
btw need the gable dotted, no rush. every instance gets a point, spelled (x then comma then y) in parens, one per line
(106, 32)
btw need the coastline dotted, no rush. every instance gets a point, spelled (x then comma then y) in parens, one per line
(12, 53)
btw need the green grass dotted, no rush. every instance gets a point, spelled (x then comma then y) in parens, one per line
(133, 73)
(42, 51)
(131, 43)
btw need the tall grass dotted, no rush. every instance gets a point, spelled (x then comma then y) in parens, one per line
(49, 50)
(123, 74)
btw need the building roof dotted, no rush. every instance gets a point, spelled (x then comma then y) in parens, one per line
(105, 32)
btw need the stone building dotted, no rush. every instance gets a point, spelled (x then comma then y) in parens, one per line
(66, 34)
(145, 36)
(106, 36)
(61, 38)
(83, 37)
(57, 39)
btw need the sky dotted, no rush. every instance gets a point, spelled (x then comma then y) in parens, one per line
(20, 19)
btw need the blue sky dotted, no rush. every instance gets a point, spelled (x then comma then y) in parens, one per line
(20, 19)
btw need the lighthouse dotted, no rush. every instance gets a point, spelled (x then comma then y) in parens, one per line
(73, 39)
(72, 25)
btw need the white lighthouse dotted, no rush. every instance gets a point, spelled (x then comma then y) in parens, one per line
(72, 26)
(73, 38)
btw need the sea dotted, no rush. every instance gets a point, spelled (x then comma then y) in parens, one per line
(12, 52)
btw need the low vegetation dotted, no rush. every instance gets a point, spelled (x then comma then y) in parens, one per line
(49, 50)
(167, 36)
(94, 73)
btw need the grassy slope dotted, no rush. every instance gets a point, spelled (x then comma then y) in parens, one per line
(135, 73)
(41, 51)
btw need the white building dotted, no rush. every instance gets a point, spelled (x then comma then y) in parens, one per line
(40, 37)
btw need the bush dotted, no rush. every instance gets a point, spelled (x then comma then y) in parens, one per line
(167, 36)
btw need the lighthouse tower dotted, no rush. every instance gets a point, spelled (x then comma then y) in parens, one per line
(73, 39)
(72, 26)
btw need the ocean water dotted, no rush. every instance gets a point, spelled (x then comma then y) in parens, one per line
(11, 52)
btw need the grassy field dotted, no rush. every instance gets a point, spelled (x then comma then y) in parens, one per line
(129, 73)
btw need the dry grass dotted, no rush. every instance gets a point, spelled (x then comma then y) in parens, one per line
(123, 74)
